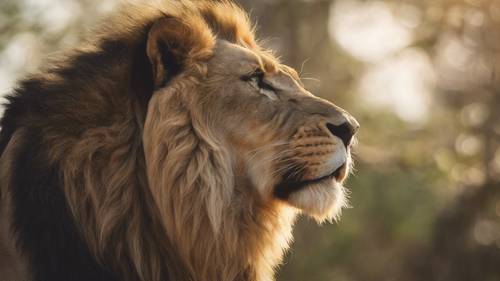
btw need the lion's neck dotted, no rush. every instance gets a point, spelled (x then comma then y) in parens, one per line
(216, 232)
(247, 247)
(262, 233)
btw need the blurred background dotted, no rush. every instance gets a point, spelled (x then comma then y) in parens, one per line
(421, 76)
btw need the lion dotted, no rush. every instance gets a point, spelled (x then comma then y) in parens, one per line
(169, 146)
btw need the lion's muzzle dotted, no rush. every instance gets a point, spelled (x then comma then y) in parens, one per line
(320, 152)
(322, 146)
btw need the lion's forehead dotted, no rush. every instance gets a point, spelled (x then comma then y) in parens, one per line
(231, 59)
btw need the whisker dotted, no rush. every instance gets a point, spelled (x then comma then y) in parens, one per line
(310, 78)
(275, 155)
(291, 164)
(297, 172)
(283, 168)
(261, 149)
(302, 66)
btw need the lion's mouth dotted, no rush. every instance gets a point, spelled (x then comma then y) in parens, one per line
(287, 187)
(337, 174)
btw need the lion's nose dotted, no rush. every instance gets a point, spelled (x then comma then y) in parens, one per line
(344, 131)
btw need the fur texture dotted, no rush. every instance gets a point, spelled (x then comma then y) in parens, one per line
(131, 163)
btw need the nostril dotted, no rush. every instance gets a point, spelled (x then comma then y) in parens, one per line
(345, 132)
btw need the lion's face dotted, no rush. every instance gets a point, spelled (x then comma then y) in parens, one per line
(290, 145)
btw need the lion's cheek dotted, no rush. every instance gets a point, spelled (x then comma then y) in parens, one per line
(261, 177)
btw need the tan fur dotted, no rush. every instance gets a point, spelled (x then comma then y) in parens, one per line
(189, 191)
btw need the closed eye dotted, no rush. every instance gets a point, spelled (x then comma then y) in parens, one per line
(256, 79)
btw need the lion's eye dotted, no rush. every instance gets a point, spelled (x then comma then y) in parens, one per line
(256, 79)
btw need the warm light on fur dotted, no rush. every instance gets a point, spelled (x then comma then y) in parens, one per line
(202, 178)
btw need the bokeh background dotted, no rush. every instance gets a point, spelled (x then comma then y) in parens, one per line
(421, 76)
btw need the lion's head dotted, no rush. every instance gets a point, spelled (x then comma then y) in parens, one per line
(281, 142)
(233, 141)
(288, 144)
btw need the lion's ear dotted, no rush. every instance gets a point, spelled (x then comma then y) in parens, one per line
(168, 46)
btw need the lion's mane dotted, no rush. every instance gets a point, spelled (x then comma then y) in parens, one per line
(110, 182)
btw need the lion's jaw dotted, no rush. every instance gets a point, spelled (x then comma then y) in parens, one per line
(323, 164)
(307, 173)
(323, 200)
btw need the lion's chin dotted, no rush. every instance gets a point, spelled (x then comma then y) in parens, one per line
(323, 200)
